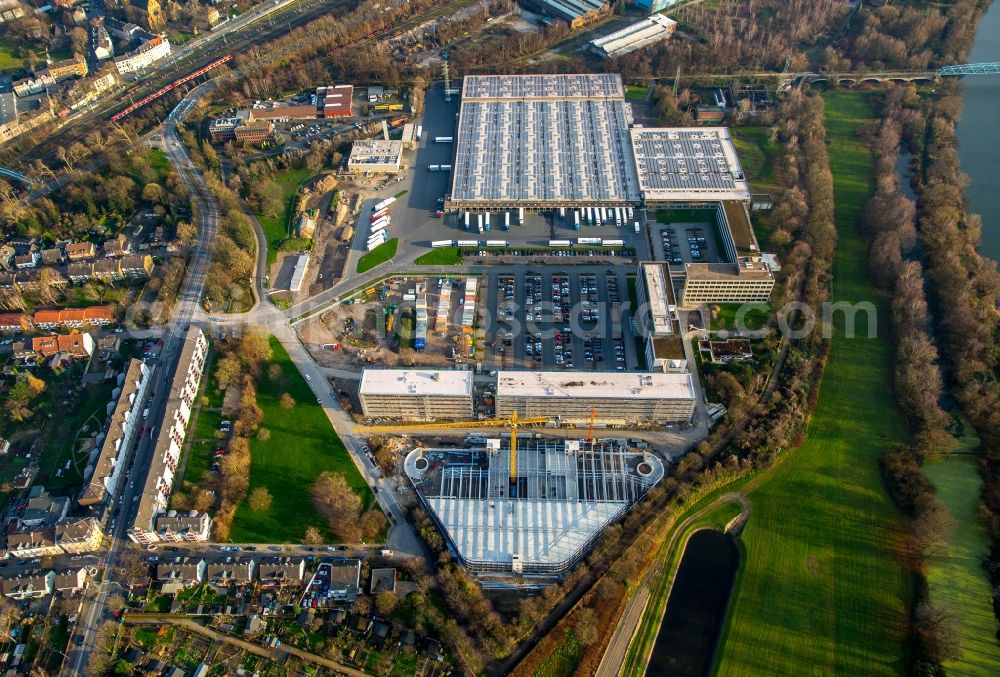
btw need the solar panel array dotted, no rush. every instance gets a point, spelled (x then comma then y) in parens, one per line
(685, 160)
(585, 86)
(544, 139)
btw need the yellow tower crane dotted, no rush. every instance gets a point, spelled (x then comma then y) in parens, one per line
(513, 423)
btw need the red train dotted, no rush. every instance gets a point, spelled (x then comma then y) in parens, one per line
(173, 85)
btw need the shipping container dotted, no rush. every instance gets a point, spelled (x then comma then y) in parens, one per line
(479, 217)
(604, 217)
(467, 243)
(614, 243)
(560, 243)
(379, 214)
(384, 221)
(467, 221)
(487, 222)
(443, 139)
(496, 243)
(576, 220)
(520, 216)
(618, 216)
(506, 220)
(442, 243)
(588, 240)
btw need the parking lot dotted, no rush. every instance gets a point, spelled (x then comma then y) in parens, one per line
(559, 319)
(680, 243)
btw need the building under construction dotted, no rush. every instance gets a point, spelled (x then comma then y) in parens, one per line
(539, 519)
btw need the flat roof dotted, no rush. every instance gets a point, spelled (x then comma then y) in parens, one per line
(659, 294)
(609, 385)
(739, 226)
(543, 139)
(416, 382)
(722, 271)
(375, 152)
(688, 163)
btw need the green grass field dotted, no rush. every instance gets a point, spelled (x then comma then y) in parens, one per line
(276, 229)
(12, 56)
(442, 256)
(959, 579)
(757, 155)
(635, 93)
(303, 444)
(378, 256)
(755, 317)
(822, 590)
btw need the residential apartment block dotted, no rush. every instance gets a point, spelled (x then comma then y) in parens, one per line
(120, 434)
(160, 474)
(185, 526)
(416, 394)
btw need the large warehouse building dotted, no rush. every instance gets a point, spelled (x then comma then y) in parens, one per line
(542, 142)
(618, 398)
(648, 31)
(416, 394)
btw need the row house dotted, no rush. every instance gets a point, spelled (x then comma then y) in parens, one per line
(38, 584)
(134, 267)
(71, 345)
(80, 251)
(115, 247)
(53, 256)
(225, 574)
(75, 318)
(29, 585)
(14, 323)
(30, 543)
(271, 573)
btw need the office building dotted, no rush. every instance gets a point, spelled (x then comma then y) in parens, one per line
(416, 394)
(615, 398)
(657, 319)
(376, 156)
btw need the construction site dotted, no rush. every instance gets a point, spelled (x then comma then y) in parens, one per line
(529, 507)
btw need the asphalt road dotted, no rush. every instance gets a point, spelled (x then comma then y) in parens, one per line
(187, 309)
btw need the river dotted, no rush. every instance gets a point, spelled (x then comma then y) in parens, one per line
(979, 133)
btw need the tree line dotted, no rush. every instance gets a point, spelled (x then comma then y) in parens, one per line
(889, 226)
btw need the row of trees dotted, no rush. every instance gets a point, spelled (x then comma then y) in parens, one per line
(965, 288)
(803, 227)
(889, 225)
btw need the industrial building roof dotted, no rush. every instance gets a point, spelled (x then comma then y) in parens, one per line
(375, 152)
(299, 273)
(543, 140)
(416, 382)
(688, 163)
(635, 36)
(562, 86)
(607, 385)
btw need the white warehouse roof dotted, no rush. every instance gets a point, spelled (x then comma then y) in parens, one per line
(636, 36)
(416, 382)
(609, 385)
(688, 163)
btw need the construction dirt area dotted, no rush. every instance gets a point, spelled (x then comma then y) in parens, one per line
(383, 326)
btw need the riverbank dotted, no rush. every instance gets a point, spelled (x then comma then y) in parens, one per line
(822, 589)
